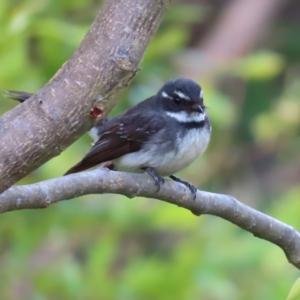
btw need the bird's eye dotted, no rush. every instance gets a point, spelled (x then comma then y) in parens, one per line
(177, 100)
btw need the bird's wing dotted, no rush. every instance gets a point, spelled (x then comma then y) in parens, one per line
(120, 139)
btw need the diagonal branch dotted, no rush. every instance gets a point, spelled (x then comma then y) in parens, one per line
(101, 180)
(95, 76)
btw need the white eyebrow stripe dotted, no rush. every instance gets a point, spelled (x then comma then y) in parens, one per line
(165, 95)
(201, 94)
(182, 95)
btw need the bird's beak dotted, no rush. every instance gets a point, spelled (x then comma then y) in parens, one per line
(198, 108)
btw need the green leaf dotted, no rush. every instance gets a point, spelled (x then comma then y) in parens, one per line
(295, 291)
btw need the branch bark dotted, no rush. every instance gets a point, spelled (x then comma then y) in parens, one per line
(95, 76)
(101, 180)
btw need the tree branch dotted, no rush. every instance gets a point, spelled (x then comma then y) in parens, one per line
(101, 180)
(96, 74)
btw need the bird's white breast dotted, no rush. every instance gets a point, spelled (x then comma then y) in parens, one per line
(190, 147)
(186, 149)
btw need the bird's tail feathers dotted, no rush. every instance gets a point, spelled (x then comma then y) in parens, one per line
(75, 169)
(16, 95)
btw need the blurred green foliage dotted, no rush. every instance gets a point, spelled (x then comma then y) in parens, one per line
(111, 247)
(295, 291)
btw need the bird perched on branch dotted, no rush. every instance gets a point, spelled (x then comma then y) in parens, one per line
(161, 135)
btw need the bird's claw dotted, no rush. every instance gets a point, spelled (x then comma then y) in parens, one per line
(191, 187)
(158, 180)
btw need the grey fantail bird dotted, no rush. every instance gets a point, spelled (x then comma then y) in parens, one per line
(161, 135)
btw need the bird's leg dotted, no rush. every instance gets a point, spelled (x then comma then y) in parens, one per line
(158, 180)
(191, 187)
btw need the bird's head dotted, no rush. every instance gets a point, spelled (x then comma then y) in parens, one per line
(182, 99)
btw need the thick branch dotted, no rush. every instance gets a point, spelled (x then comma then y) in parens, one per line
(96, 74)
(101, 181)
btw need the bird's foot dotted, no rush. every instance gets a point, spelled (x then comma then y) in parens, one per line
(158, 180)
(191, 187)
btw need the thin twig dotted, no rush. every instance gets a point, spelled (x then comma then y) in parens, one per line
(101, 180)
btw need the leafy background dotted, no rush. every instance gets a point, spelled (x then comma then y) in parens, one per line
(246, 58)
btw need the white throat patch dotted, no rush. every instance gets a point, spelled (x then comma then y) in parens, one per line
(184, 117)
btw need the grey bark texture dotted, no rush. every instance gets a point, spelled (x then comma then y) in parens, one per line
(95, 76)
